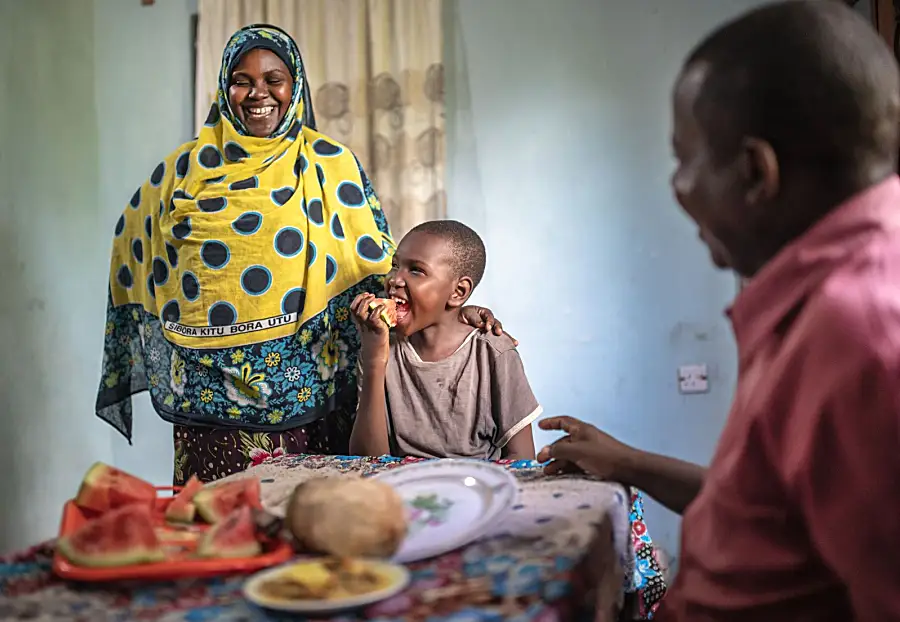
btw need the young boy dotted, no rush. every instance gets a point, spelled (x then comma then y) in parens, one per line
(436, 388)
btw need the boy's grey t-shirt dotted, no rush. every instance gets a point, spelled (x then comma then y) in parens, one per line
(468, 405)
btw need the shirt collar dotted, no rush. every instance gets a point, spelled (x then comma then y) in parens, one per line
(787, 279)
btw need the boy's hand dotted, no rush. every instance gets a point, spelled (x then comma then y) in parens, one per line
(374, 333)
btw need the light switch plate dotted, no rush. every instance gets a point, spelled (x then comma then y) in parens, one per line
(693, 379)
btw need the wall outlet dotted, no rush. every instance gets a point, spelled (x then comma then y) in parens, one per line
(693, 379)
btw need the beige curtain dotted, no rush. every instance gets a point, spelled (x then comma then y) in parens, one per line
(377, 78)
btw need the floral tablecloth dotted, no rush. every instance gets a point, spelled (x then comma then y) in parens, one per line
(532, 567)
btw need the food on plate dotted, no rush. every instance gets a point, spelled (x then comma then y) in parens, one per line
(216, 501)
(169, 535)
(120, 537)
(181, 509)
(268, 525)
(115, 521)
(389, 314)
(328, 579)
(177, 543)
(106, 488)
(347, 517)
(233, 536)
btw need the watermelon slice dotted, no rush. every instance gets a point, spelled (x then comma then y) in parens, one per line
(181, 509)
(217, 501)
(389, 315)
(121, 537)
(234, 536)
(106, 488)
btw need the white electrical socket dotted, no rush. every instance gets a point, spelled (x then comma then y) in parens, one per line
(693, 379)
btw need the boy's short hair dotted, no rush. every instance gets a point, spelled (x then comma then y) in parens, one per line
(468, 256)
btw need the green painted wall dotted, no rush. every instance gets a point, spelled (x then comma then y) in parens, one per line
(94, 93)
(50, 259)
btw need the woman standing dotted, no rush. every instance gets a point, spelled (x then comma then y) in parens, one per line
(232, 272)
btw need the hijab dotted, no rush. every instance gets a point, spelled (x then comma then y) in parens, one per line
(233, 267)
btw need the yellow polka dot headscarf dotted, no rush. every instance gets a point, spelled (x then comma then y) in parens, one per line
(236, 239)
(235, 242)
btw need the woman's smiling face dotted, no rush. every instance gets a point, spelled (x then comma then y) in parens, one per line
(260, 91)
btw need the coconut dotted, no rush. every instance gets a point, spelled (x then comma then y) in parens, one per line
(347, 517)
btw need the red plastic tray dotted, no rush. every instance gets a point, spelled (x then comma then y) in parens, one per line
(180, 563)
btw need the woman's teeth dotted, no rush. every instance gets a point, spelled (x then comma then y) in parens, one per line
(260, 112)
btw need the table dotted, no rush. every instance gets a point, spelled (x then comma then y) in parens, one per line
(535, 566)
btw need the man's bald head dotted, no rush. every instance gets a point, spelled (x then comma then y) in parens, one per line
(810, 77)
(779, 117)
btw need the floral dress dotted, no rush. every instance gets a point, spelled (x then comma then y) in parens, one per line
(213, 453)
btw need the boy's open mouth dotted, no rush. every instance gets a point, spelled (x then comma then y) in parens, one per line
(402, 308)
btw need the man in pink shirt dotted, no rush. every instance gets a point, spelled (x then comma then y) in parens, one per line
(786, 126)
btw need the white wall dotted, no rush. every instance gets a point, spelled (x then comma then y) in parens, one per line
(94, 93)
(50, 323)
(144, 100)
(558, 139)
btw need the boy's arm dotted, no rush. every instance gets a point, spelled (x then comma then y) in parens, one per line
(515, 407)
(369, 436)
(520, 446)
(370, 429)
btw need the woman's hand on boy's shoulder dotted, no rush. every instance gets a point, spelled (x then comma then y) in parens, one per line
(483, 319)
(373, 331)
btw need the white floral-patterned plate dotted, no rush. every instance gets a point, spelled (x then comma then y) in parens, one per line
(450, 503)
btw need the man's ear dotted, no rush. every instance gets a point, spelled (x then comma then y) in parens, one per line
(461, 292)
(761, 171)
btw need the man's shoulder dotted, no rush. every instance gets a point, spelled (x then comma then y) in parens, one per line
(845, 331)
(858, 308)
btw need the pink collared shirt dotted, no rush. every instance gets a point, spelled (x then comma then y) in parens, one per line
(799, 517)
